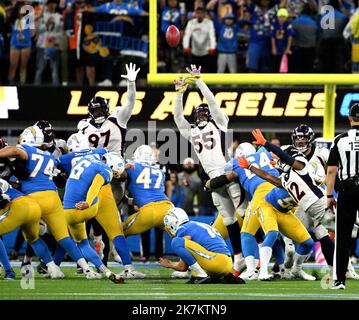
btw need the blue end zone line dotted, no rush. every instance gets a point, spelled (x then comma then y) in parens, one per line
(156, 265)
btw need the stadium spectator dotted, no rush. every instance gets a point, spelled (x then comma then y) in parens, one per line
(296, 7)
(220, 8)
(178, 191)
(191, 183)
(276, 142)
(199, 41)
(332, 49)
(281, 38)
(259, 47)
(20, 42)
(304, 42)
(72, 28)
(227, 46)
(47, 46)
(120, 7)
(351, 32)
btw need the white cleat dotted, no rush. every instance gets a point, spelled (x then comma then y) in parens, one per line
(286, 274)
(92, 275)
(115, 278)
(265, 276)
(249, 276)
(301, 274)
(289, 256)
(54, 272)
(180, 274)
(351, 274)
(132, 274)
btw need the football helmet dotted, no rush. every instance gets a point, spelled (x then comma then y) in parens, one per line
(202, 115)
(302, 137)
(32, 136)
(115, 162)
(98, 110)
(244, 150)
(77, 142)
(48, 132)
(174, 218)
(144, 154)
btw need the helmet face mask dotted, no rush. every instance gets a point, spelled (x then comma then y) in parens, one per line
(302, 137)
(98, 110)
(202, 115)
(48, 132)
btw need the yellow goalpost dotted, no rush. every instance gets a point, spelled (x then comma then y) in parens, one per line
(329, 81)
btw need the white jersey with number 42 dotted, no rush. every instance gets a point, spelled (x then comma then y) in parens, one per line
(109, 135)
(208, 145)
(301, 185)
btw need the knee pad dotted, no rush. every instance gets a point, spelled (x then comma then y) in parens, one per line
(177, 242)
(320, 231)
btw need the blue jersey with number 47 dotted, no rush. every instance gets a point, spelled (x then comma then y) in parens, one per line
(146, 184)
(205, 235)
(280, 199)
(41, 165)
(81, 178)
(248, 180)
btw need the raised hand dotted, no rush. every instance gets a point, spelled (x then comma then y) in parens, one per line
(131, 72)
(194, 71)
(180, 85)
(260, 140)
(243, 162)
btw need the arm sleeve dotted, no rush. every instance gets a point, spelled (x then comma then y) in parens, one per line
(183, 125)
(218, 115)
(123, 114)
(280, 153)
(334, 156)
(94, 189)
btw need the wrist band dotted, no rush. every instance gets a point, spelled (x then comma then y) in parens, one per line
(330, 196)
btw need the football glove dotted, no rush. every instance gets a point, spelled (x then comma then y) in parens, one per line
(181, 85)
(131, 72)
(260, 140)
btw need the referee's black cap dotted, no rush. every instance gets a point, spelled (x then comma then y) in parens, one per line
(354, 110)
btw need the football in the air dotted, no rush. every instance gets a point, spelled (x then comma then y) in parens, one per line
(173, 36)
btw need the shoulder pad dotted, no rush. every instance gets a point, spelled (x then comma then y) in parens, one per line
(82, 124)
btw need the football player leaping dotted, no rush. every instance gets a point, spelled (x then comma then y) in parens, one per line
(206, 136)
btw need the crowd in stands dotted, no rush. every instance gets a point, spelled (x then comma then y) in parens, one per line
(221, 35)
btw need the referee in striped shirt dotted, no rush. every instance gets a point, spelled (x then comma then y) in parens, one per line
(344, 162)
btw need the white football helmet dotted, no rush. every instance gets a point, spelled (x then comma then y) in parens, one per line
(115, 162)
(4, 187)
(77, 142)
(32, 136)
(244, 150)
(174, 218)
(144, 154)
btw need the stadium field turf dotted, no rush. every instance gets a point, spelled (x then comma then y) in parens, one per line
(159, 285)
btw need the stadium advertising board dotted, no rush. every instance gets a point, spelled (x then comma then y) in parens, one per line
(243, 105)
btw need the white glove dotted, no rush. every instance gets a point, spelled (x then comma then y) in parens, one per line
(131, 72)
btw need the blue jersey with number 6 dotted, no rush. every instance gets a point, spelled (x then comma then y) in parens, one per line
(41, 165)
(205, 235)
(250, 181)
(280, 199)
(146, 184)
(81, 178)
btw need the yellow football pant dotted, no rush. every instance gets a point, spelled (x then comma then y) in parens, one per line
(212, 262)
(221, 228)
(287, 223)
(251, 222)
(149, 216)
(76, 221)
(52, 212)
(22, 212)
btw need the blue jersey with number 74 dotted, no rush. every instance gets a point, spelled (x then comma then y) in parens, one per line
(41, 165)
(146, 184)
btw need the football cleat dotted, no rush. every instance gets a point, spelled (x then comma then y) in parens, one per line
(286, 274)
(10, 274)
(265, 276)
(338, 285)
(204, 280)
(98, 247)
(115, 278)
(54, 272)
(132, 274)
(238, 267)
(41, 268)
(249, 276)
(92, 275)
(289, 257)
(181, 274)
(301, 274)
(351, 274)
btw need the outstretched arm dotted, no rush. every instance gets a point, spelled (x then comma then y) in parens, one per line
(182, 124)
(13, 152)
(260, 140)
(243, 163)
(123, 114)
(218, 115)
(220, 181)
